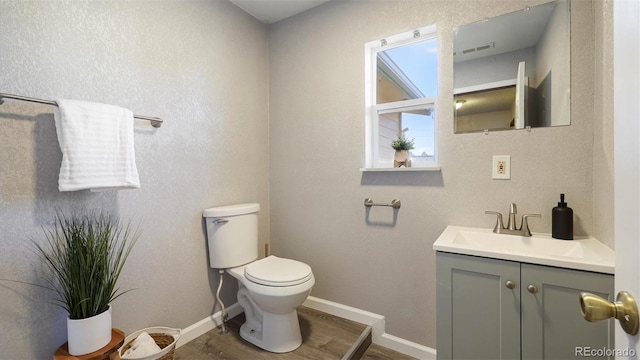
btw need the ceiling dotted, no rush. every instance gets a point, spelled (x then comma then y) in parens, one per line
(271, 11)
(524, 28)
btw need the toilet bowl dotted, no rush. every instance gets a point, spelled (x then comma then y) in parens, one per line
(270, 296)
(270, 289)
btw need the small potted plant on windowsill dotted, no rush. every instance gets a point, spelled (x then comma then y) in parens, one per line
(402, 146)
(85, 254)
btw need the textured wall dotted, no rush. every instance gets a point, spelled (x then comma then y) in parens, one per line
(202, 67)
(603, 125)
(371, 259)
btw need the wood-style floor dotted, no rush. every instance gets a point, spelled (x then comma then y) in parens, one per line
(323, 337)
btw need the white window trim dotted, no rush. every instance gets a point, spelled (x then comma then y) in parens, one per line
(372, 110)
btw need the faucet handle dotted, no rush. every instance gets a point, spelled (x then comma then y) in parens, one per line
(513, 209)
(525, 223)
(498, 226)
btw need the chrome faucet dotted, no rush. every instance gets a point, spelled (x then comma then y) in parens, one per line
(511, 228)
(511, 223)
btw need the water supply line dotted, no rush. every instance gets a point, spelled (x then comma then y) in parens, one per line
(223, 314)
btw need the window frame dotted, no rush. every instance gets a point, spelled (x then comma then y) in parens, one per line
(373, 110)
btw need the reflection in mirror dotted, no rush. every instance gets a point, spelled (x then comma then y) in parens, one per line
(513, 71)
(492, 109)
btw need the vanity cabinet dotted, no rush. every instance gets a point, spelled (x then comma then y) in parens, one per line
(499, 309)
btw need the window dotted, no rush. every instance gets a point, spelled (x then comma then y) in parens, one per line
(401, 86)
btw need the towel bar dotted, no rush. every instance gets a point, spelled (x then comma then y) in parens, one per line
(395, 203)
(155, 121)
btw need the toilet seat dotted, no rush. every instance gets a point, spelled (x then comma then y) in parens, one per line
(279, 272)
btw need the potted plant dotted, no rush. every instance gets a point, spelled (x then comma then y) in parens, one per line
(402, 146)
(85, 254)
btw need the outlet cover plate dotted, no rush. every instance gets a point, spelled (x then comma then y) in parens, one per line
(501, 167)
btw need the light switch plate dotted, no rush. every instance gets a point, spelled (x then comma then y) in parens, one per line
(501, 167)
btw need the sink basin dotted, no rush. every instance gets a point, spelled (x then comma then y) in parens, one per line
(582, 254)
(520, 244)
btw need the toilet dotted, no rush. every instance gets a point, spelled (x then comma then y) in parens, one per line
(270, 289)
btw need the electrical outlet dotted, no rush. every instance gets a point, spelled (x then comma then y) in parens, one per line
(501, 167)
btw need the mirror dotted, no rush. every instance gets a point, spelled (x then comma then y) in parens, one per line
(514, 71)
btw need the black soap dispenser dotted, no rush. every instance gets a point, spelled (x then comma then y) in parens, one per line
(562, 221)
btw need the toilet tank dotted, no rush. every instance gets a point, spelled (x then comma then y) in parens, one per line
(232, 234)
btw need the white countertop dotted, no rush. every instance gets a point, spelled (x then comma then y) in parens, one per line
(581, 253)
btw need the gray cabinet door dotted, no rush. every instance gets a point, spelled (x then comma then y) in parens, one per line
(478, 315)
(552, 326)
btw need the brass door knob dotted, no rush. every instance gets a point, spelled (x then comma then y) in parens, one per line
(595, 308)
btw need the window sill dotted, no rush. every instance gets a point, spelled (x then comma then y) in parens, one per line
(402, 169)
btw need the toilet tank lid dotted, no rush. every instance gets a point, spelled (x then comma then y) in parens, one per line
(231, 210)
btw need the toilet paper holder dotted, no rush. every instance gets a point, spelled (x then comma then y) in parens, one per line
(395, 203)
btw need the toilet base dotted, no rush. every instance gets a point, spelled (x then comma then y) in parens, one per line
(280, 333)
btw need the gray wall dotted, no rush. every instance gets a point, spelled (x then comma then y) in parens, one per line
(603, 124)
(205, 67)
(202, 67)
(369, 259)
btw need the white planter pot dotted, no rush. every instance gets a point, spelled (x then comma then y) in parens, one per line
(401, 158)
(401, 155)
(88, 335)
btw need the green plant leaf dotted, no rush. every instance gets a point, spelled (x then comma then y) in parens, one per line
(402, 144)
(86, 254)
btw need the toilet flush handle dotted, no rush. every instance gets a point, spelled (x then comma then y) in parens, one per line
(220, 221)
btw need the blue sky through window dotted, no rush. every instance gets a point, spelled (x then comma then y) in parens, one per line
(421, 128)
(419, 62)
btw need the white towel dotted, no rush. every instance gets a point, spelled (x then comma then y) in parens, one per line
(97, 146)
(142, 346)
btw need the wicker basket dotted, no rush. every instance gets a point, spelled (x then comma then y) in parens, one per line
(166, 338)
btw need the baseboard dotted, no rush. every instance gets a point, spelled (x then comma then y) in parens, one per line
(207, 324)
(377, 324)
(350, 313)
(406, 347)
